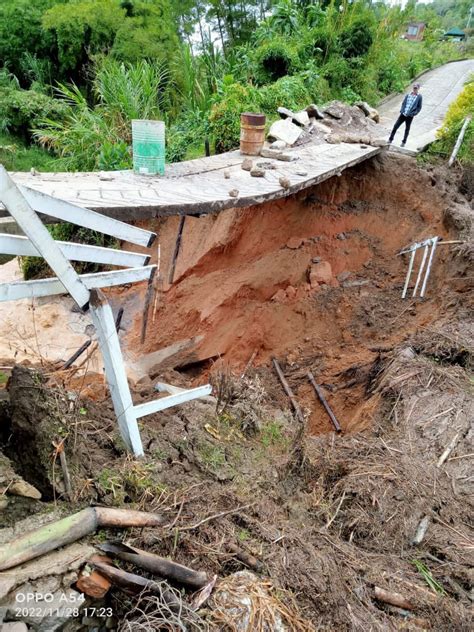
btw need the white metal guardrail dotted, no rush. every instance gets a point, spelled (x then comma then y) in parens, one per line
(24, 204)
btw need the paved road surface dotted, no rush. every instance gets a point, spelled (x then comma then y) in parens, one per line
(439, 88)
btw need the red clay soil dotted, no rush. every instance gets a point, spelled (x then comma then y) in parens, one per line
(242, 280)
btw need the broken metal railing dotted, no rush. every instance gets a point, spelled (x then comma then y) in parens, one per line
(429, 246)
(24, 204)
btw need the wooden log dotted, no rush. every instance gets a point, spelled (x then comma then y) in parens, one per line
(62, 532)
(393, 598)
(323, 401)
(288, 391)
(155, 564)
(176, 248)
(460, 138)
(136, 584)
(77, 354)
(146, 307)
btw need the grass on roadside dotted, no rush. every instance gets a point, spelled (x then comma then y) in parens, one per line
(16, 156)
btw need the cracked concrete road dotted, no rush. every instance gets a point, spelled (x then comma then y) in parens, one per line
(439, 88)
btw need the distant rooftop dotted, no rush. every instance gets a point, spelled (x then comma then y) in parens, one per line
(455, 31)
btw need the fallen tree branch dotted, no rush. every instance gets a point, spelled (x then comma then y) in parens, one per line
(449, 449)
(172, 571)
(62, 532)
(215, 516)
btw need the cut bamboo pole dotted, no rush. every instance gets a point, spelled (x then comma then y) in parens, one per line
(62, 532)
(157, 565)
(137, 584)
(288, 391)
(323, 401)
(393, 598)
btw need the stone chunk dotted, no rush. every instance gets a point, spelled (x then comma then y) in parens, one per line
(284, 182)
(278, 144)
(279, 296)
(257, 172)
(320, 273)
(285, 113)
(22, 488)
(247, 164)
(234, 193)
(335, 109)
(91, 582)
(285, 130)
(294, 243)
(301, 118)
(314, 112)
(368, 110)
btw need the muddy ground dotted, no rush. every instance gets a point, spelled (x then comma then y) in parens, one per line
(327, 518)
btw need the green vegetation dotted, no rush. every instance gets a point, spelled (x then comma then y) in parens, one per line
(73, 73)
(458, 110)
(428, 577)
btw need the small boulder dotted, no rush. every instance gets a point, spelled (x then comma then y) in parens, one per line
(314, 112)
(234, 193)
(22, 488)
(343, 276)
(257, 172)
(320, 273)
(278, 144)
(284, 182)
(226, 174)
(285, 113)
(294, 243)
(279, 296)
(335, 110)
(285, 130)
(247, 164)
(368, 110)
(301, 118)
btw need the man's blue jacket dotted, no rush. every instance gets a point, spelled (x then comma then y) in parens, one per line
(416, 105)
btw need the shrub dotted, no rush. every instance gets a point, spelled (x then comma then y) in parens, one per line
(453, 121)
(290, 92)
(356, 40)
(21, 110)
(273, 60)
(224, 119)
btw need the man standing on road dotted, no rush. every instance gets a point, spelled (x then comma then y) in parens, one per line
(411, 106)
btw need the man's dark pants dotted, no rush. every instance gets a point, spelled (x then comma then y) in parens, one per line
(402, 119)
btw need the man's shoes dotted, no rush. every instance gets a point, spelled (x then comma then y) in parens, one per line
(403, 143)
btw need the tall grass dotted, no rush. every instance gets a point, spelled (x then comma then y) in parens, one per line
(96, 135)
